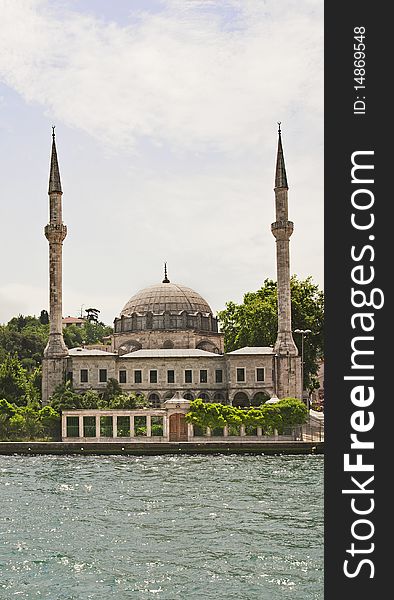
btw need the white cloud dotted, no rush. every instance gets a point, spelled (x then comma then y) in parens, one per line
(192, 90)
(179, 76)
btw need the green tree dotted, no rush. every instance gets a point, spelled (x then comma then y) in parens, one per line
(89, 333)
(14, 382)
(205, 414)
(127, 402)
(293, 411)
(26, 336)
(44, 317)
(91, 399)
(50, 421)
(95, 333)
(19, 422)
(112, 390)
(92, 314)
(255, 321)
(7, 411)
(32, 427)
(28, 344)
(73, 336)
(272, 418)
(64, 398)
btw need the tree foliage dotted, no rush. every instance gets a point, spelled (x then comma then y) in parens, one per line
(286, 413)
(28, 422)
(90, 333)
(255, 321)
(27, 336)
(17, 385)
(65, 398)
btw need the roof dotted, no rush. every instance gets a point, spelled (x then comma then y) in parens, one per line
(73, 320)
(166, 296)
(253, 350)
(89, 352)
(170, 353)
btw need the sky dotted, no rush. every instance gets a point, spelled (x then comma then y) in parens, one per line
(166, 118)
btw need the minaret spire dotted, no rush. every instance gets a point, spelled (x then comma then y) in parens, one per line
(280, 174)
(54, 174)
(165, 280)
(55, 232)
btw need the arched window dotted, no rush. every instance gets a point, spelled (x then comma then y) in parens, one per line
(219, 397)
(204, 396)
(154, 401)
(168, 344)
(188, 396)
(207, 346)
(241, 400)
(260, 398)
(129, 346)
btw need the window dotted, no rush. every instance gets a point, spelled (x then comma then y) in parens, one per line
(218, 376)
(156, 426)
(171, 376)
(153, 376)
(89, 426)
(203, 376)
(84, 375)
(123, 427)
(188, 376)
(122, 376)
(154, 401)
(102, 375)
(72, 425)
(260, 374)
(137, 376)
(240, 375)
(140, 425)
(106, 427)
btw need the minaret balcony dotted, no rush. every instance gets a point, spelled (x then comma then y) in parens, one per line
(282, 229)
(55, 232)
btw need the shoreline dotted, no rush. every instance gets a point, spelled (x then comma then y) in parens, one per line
(138, 449)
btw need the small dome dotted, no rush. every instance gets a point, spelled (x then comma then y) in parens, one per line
(169, 297)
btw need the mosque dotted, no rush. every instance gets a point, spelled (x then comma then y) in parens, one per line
(166, 341)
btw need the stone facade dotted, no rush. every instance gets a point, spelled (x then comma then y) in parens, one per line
(166, 340)
(229, 378)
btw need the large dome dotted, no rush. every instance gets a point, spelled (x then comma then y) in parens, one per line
(170, 297)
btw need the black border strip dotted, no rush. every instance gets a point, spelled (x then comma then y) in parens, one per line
(348, 130)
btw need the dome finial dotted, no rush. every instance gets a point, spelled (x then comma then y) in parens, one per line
(165, 280)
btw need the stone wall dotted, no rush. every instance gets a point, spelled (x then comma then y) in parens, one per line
(227, 363)
(128, 341)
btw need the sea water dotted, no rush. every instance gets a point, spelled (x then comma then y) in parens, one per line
(164, 527)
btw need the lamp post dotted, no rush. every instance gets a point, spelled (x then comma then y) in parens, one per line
(303, 332)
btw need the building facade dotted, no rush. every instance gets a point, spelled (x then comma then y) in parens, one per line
(167, 340)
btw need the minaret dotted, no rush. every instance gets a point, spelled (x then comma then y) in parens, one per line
(288, 363)
(54, 363)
